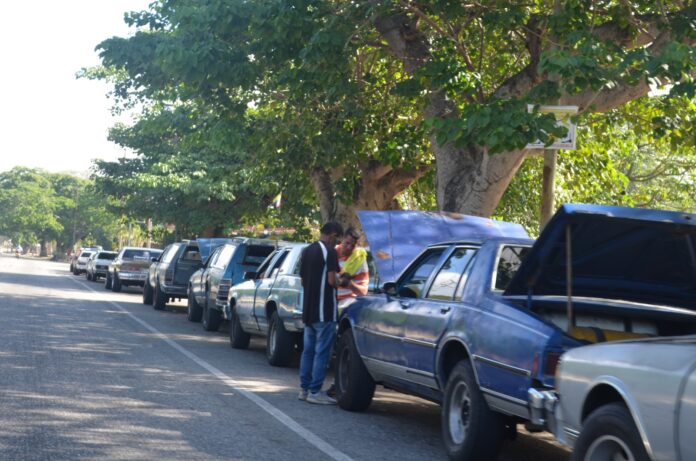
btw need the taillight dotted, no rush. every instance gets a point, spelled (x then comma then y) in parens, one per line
(224, 289)
(551, 360)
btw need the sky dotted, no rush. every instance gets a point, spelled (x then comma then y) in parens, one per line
(48, 118)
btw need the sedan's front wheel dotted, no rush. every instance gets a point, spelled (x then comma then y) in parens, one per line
(108, 282)
(354, 385)
(147, 293)
(471, 431)
(609, 434)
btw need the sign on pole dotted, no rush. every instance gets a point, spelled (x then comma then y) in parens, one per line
(563, 114)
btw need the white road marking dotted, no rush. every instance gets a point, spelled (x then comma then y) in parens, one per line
(283, 418)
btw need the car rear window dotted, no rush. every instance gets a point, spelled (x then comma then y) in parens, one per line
(140, 254)
(85, 254)
(256, 254)
(106, 255)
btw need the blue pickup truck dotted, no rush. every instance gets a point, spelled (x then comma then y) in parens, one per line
(475, 315)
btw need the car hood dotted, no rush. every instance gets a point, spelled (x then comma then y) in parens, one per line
(629, 254)
(397, 237)
(207, 245)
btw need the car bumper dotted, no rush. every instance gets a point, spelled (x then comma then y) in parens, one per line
(176, 290)
(133, 276)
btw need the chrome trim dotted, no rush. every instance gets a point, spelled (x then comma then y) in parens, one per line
(419, 342)
(379, 333)
(505, 404)
(504, 366)
(571, 432)
(379, 368)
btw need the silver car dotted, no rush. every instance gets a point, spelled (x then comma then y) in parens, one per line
(631, 400)
(98, 264)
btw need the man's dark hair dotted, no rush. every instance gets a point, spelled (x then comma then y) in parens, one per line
(353, 232)
(332, 227)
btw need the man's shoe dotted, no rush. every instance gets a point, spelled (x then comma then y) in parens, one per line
(320, 398)
(303, 395)
(331, 391)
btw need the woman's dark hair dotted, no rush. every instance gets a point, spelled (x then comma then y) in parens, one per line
(353, 232)
(332, 227)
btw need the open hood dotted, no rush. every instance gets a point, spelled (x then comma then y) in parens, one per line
(396, 237)
(630, 254)
(207, 245)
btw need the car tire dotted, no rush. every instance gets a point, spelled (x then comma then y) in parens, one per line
(108, 282)
(159, 302)
(194, 312)
(147, 293)
(280, 345)
(480, 436)
(95, 277)
(354, 385)
(211, 319)
(239, 339)
(88, 276)
(609, 433)
(116, 283)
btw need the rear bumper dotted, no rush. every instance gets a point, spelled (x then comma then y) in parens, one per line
(176, 290)
(543, 404)
(133, 276)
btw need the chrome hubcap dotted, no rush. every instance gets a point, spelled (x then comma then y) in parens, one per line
(459, 413)
(272, 339)
(609, 448)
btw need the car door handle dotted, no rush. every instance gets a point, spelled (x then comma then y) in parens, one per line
(445, 310)
(405, 304)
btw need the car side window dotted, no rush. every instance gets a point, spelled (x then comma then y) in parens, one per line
(508, 263)
(212, 259)
(191, 254)
(225, 256)
(447, 279)
(266, 262)
(275, 266)
(412, 284)
(168, 254)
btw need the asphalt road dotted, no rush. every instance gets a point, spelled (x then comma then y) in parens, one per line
(94, 375)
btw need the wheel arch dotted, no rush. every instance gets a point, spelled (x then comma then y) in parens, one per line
(610, 390)
(270, 307)
(451, 352)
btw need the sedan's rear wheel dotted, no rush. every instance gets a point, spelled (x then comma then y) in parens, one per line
(471, 430)
(211, 319)
(108, 281)
(193, 309)
(609, 434)
(147, 293)
(116, 283)
(354, 385)
(160, 298)
(280, 345)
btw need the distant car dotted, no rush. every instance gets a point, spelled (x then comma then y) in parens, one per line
(130, 267)
(81, 262)
(210, 285)
(631, 400)
(76, 254)
(168, 277)
(98, 264)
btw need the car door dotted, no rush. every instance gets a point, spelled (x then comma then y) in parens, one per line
(263, 290)
(246, 293)
(429, 315)
(384, 324)
(204, 282)
(189, 262)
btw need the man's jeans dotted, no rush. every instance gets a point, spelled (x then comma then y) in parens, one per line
(318, 346)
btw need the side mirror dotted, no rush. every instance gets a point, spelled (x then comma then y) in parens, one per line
(389, 288)
(154, 259)
(250, 275)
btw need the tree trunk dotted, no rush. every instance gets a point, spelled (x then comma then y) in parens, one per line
(377, 189)
(44, 251)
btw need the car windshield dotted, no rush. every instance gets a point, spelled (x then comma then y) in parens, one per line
(85, 254)
(256, 254)
(140, 254)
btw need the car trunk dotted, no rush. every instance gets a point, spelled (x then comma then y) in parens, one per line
(605, 273)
